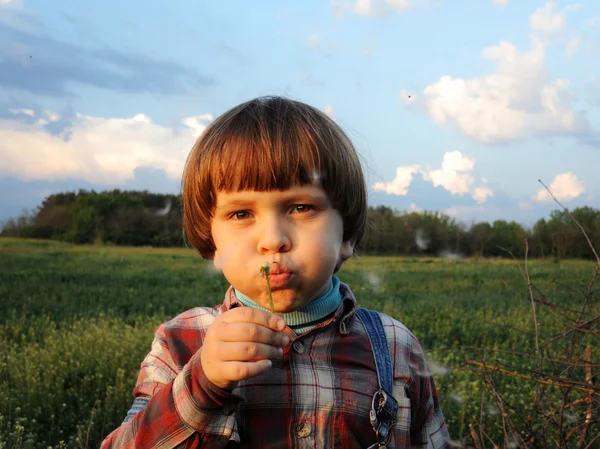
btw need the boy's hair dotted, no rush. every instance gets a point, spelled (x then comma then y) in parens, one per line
(271, 143)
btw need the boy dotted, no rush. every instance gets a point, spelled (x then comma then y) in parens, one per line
(276, 181)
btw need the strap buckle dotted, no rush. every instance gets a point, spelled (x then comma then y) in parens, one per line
(384, 409)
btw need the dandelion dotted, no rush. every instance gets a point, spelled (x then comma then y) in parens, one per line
(265, 269)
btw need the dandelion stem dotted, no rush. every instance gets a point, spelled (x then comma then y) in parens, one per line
(265, 269)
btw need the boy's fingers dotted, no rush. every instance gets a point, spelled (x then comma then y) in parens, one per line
(256, 316)
(243, 352)
(243, 370)
(254, 333)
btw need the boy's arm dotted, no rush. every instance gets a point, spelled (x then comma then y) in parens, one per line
(428, 428)
(184, 408)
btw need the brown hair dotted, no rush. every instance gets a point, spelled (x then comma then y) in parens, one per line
(271, 143)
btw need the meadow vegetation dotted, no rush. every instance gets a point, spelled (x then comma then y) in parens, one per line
(76, 321)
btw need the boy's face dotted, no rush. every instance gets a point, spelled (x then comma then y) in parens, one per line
(296, 231)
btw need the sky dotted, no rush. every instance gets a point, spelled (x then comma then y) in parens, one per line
(464, 107)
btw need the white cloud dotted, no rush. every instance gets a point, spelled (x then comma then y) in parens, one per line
(455, 173)
(481, 194)
(546, 19)
(29, 112)
(375, 8)
(470, 211)
(565, 187)
(198, 123)
(99, 150)
(400, 6)
(455, 176)
(592, 21)
(363, 7)
(516, 101)
(524, 205)
(399, 186)
(501, 3)
(11, 3)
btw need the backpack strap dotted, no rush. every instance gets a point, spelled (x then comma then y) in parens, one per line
(384, 407)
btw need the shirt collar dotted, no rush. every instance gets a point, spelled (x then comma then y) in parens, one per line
(343, 315)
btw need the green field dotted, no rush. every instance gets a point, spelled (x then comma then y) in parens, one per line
(76, 321)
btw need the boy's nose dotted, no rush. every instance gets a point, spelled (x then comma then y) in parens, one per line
(273, 236)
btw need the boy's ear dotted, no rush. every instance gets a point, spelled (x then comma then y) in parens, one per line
(217, 260)
(346, 250)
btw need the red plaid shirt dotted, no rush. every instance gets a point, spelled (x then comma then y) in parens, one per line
(318, 396)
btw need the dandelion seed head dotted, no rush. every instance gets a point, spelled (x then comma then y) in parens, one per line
(315, 178)
(164, 211)
(457, 398)
(572, 417)
(437, 368)
(447, 254)
(421, 240)
(373, 279)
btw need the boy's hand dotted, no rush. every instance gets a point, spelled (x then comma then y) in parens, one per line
(240, 343)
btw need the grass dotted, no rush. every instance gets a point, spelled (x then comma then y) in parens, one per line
(76, 321)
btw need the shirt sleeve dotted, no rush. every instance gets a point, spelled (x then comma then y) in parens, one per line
(428, 428)
(175, 408)
(421, 420)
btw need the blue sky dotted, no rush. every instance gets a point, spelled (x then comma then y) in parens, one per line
(455, 106)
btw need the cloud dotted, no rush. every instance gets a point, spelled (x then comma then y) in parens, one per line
(98, 150)
(28, 112)
(592, 22)
(547, 20)
(516, 101)
(375, 8)
(462, 211)
(455, 175)
(11, 3)
(501, 3)
(33, 61)
(565, 187)
(400, 6)
(593, 92)
(363, 7)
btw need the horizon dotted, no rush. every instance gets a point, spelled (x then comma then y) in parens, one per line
(455, 108)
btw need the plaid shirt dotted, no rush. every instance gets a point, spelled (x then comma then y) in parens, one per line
(318, 396)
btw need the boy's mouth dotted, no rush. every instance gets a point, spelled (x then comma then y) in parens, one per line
(280, 279)
(277, 268)
(279, 275)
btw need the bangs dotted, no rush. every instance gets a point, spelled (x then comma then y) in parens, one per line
(270, 144)
(265, 160)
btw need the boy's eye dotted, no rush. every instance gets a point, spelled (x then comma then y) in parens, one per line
(239, 215)
(302, 207)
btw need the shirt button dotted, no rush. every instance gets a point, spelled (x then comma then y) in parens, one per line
(298, 347)
(303, 430)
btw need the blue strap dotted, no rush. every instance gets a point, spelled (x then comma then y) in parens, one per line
(383, 362)
(384, 407)
(138, 405)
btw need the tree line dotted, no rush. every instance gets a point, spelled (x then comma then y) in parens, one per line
(149, 219)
